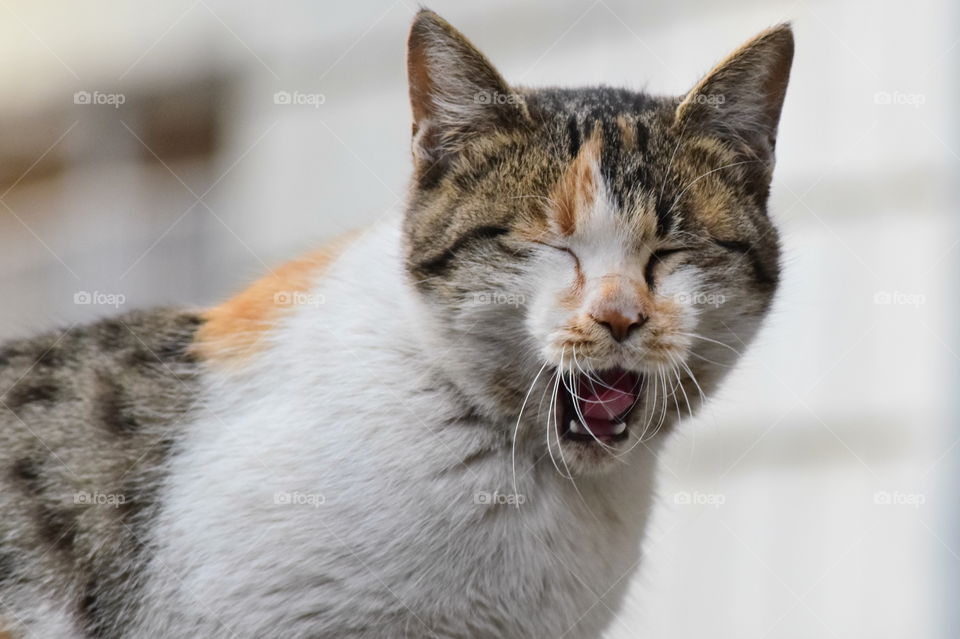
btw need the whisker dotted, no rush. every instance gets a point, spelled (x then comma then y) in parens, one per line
(636, 387)
(516, 430)
(648, 421)
(700, 177)
(676, 372)
(712, 341)
(666, 176)
(556, 426)
(663, 410)
(647, 407)
(710, 361)
(569, 475)
(589, 375)
(693, 378)
(583, 420)
(693, 438)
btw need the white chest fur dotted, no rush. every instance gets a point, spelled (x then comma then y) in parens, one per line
(333, 490)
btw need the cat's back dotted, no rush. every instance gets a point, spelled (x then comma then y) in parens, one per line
(88, 418)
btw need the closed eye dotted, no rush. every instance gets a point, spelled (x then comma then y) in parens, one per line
(560, 248)
(763, 273)
(656, 258)
(438, 263)
(564, 249)
(735, 246)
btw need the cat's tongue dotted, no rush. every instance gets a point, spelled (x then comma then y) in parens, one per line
(602, 402)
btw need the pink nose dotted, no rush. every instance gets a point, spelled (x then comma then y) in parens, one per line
(619, 325)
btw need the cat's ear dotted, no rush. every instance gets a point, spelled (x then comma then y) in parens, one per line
(740, 100)
(454, 90)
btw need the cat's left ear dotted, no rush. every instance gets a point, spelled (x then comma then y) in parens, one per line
(455, 92)
(740, 100)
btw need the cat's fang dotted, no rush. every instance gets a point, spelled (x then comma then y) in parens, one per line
(619, 428)
(575, 426)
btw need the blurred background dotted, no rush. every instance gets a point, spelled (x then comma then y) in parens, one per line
(156, 153)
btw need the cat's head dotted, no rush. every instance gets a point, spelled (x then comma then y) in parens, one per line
(597, 254)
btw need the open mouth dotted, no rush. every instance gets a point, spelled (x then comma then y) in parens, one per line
(597, 407)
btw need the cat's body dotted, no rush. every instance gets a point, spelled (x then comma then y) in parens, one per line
(265, 479)
(399, 540)
(366, 443)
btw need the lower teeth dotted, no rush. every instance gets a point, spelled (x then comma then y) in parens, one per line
(618, 429)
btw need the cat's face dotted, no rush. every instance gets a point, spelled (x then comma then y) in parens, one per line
(596, 258)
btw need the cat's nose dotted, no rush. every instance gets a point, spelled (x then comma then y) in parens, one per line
(619, 325)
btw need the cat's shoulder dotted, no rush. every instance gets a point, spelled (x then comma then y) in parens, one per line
(234, 329)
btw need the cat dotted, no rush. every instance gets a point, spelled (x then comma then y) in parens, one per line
(445, 425)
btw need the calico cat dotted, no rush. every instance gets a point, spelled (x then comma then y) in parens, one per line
(443, 426)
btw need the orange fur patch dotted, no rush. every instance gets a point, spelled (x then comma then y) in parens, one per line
(577, 188)
(233, 330)
(628, 133)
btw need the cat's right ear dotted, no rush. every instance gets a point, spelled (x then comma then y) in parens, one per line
(455, 93)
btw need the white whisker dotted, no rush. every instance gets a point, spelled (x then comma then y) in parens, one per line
(710, 361)
(555, 425)
(700, 177)
(712, 341)
(693, 378)
(686, 400)
(516, 430)
(583, 420)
